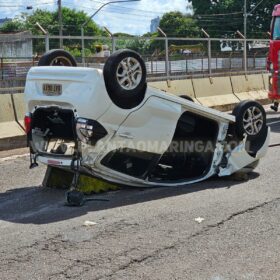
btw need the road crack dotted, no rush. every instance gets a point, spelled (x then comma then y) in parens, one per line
(206, 229)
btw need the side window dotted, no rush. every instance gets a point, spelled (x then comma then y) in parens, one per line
(131, 162)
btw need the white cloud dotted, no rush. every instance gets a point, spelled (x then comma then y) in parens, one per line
(133, 18)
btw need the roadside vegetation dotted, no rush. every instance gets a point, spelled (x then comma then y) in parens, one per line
(221, 19)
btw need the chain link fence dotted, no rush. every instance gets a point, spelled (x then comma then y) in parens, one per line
(165, 58)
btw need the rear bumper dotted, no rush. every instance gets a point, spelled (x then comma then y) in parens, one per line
(61, 162)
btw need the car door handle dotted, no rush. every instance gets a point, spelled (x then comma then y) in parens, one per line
(125, 135)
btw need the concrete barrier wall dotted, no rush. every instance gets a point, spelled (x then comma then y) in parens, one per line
(6, 112)
(221, 93)
(249, 87)
(177, 87)
(214, 92)
(11, 131)
(265, 80)
(19, 106)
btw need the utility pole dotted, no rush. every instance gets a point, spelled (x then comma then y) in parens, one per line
(60, 23)
(245, 18)
(245, 36)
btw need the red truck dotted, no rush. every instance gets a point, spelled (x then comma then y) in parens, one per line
(274, 59)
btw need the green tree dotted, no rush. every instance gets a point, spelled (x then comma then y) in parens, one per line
(11, 26)
(222, 18)
(72, 22)
(139, 45)
(121, 34)
(176, 24)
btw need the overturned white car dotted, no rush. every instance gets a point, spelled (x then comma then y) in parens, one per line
(110, 125)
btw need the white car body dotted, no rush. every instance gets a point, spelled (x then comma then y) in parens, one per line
(153, 121)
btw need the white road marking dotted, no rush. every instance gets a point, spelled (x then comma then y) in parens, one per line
(272, 123)
(13, 157)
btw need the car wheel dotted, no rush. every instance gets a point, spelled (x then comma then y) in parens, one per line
(125, 78)
(187, 97)
(57, 58)
(250, 119)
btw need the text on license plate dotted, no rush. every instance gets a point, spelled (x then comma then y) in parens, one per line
(52, 89)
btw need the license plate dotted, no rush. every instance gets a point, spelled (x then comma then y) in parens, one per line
(52, 89)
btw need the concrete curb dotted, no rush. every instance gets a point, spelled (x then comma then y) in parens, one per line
(13, 142)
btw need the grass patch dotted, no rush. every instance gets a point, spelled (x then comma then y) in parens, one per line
(61, 179)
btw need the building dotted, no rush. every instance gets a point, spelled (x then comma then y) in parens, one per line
(16, 45)
(154, 24)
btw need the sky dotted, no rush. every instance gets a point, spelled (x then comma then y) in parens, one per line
(133, 18)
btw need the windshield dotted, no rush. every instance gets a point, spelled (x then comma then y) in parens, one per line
(276, 29)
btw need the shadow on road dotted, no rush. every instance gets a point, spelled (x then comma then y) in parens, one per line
(38, 205)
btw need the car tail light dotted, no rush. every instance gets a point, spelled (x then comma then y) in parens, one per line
(27, 123)
(89, 131)
(84, 130)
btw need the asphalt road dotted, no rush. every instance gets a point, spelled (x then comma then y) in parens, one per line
(142, 234)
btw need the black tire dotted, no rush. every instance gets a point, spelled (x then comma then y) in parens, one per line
(130, 93)
(57, 58)
(187, 97)
(242, 113)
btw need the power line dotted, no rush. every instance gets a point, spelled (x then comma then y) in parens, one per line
(115, 10)
(256, 6)
(224, 14)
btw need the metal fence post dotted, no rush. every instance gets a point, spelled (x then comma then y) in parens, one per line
(113, 44)
(209, 51)
(167, 66)
(112, 38)
(83, 46)
(47, 42)
(244, 50)
(167, 58)
(2, 68)
(209, 57)
(245, 56)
